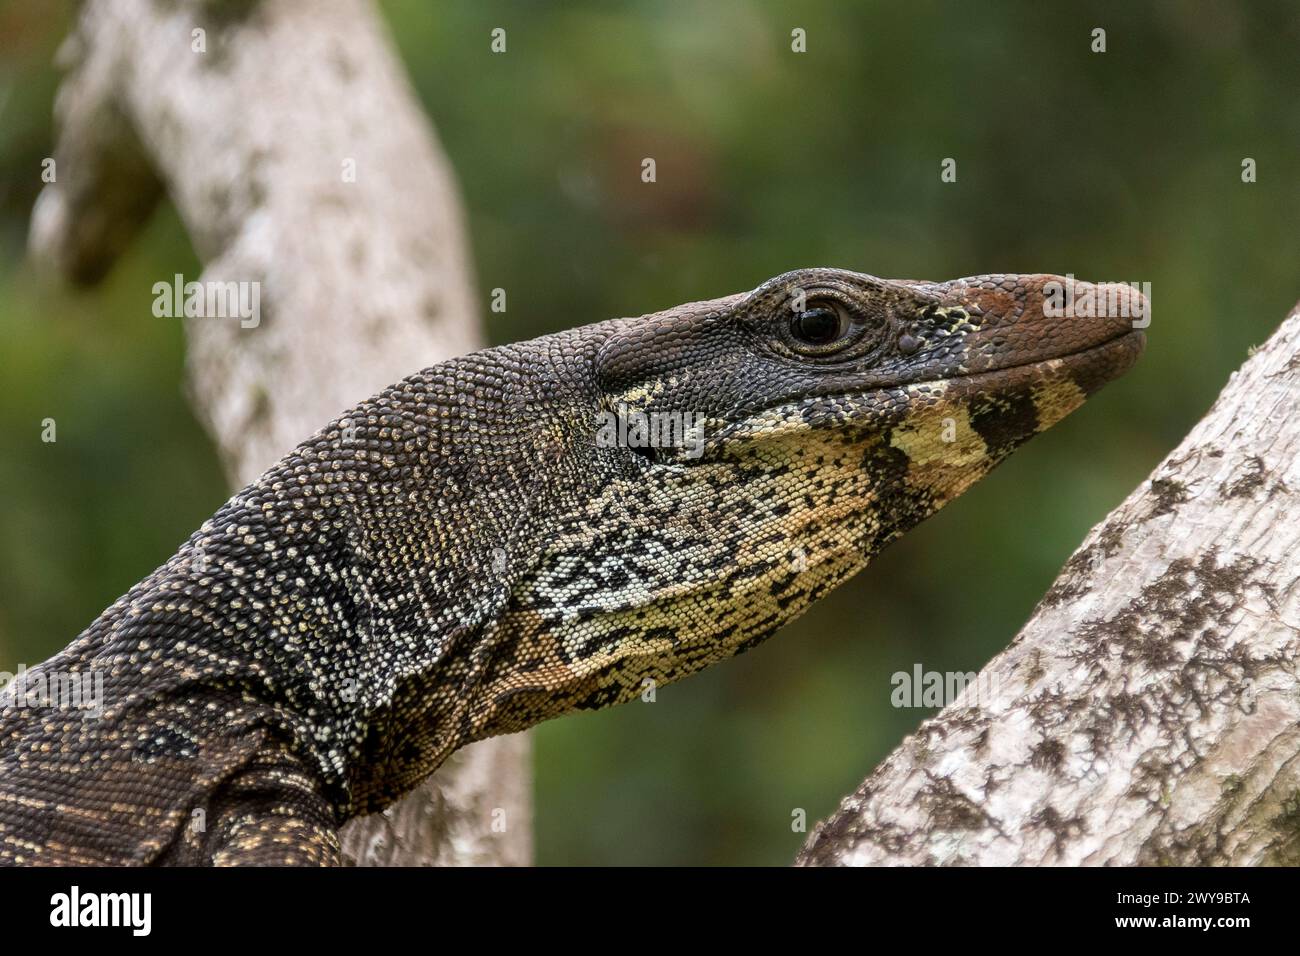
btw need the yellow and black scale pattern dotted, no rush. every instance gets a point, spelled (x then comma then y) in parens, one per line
(458, 557)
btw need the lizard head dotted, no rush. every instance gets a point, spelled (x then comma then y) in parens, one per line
(750, 453)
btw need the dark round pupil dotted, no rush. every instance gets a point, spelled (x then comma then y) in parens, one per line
(817, 326)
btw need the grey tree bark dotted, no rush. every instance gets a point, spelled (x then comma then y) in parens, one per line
(289, 139)
(1149, 711)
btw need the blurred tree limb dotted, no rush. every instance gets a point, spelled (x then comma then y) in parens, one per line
(288, 138)
(1149, 712)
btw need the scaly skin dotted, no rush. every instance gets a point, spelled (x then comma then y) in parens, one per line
(459, 556)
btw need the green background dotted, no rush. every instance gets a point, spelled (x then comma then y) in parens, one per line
(1122, 166)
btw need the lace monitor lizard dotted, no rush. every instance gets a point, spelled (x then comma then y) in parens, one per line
(459, 557)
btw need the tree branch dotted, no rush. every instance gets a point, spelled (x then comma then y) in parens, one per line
(298, 158)
(1149, 712)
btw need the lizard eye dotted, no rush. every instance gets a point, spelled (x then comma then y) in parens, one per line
(823, 327)
(817, 326)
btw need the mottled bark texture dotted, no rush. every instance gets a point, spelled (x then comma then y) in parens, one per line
(1149, 712)
(288, 137)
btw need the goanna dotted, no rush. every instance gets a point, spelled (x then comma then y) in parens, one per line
(462, 556)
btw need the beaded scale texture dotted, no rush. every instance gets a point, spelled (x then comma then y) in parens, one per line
(458, 557)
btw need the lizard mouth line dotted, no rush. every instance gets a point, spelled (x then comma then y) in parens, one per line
(1133, 336)
(1130, 341)
(1129, 338)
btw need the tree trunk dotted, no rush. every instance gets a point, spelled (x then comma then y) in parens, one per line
(1149, 712)
(288, 137)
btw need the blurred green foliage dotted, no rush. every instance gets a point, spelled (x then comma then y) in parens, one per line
(1117, 166)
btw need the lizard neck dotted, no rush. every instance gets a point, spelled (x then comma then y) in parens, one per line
(396, 537)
